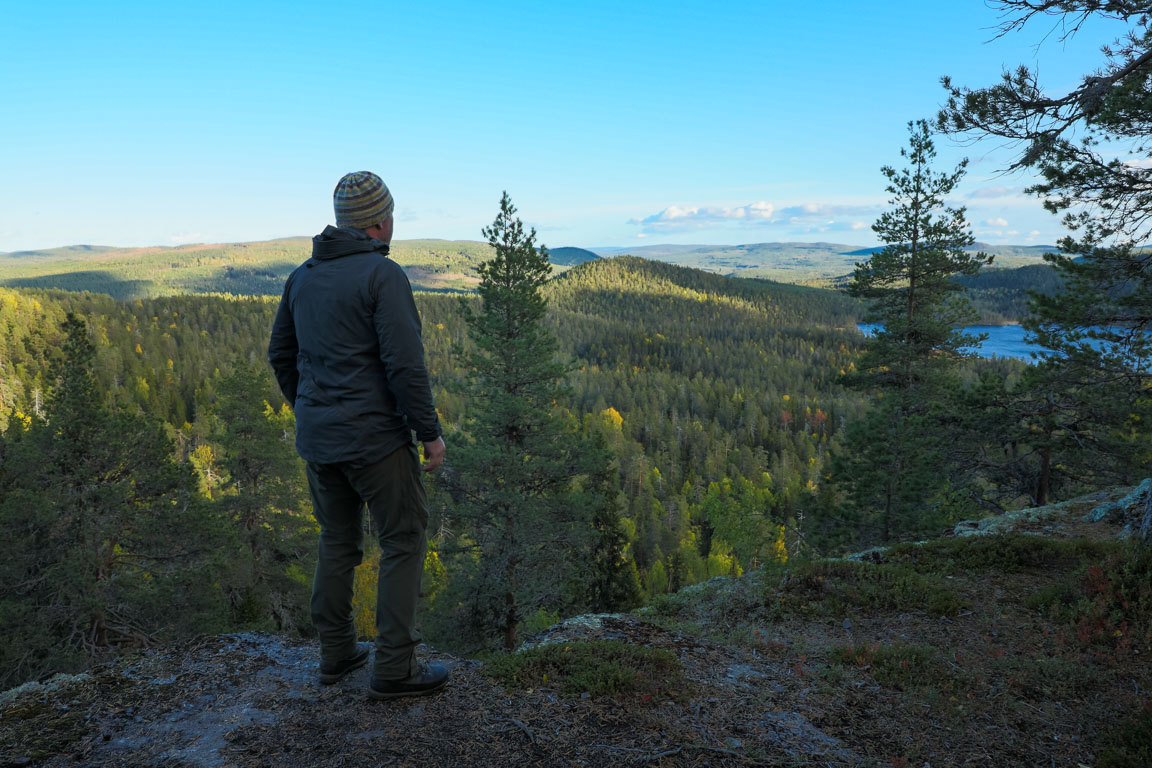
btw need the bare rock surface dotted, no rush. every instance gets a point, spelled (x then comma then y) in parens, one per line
(1133, 512)
(253, 700)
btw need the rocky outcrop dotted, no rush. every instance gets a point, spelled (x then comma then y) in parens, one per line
(1050, 519)
(1133, 512)
(252, 700)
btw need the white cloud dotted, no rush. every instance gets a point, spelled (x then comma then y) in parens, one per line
(828, 211)
(814, 217)
(996, 222)
(684, 217)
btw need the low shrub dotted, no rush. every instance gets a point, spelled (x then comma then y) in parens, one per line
(1045, 678)
(834, 587)
(1009, 553)
(1129, 744)
(1109, 602)
(903, 667)
(595, 667)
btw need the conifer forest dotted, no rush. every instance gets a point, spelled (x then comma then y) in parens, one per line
(670, 425)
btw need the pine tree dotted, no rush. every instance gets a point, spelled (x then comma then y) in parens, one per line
(525, 483)
(1090, 148)
(893, 461)
(909, 284)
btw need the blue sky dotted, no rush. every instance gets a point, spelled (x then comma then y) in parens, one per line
(608, 123)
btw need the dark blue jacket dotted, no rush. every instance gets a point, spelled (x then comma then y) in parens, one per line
(347, 353)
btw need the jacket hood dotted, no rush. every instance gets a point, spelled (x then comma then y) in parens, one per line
(335, 242)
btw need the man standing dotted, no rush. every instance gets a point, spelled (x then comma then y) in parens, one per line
(347, 354)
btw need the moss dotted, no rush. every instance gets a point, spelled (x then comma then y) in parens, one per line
(813, 589)
(596, 667)
(1009, 553)
(674, 604)
(834, 587)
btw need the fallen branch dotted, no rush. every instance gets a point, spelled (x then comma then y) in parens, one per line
(515, 722)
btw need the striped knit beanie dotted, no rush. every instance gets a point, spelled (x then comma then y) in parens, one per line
(361, 200)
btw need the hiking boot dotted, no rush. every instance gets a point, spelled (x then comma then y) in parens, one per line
(334, 671)
(429, 679)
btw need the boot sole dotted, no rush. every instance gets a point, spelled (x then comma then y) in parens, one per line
(384, 695)
(335, 677)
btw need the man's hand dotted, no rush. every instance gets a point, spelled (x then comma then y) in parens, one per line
(434, 453)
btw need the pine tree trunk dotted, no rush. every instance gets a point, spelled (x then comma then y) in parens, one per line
(510, 608)
(886, 532)
(1045, 478)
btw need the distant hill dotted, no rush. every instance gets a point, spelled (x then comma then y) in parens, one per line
(570, 257)
(56, 254)
(811, 263)
(254, 268)
(1001, 295)
(260, 268)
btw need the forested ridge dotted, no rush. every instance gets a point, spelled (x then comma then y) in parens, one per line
(241, 269)
(776, 538)
(718, 398)
(722, 403)
(260, 268)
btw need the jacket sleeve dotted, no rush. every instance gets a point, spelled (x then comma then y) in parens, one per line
(402, 350)
(283, 347)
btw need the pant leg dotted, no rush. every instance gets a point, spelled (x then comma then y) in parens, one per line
(339, 510)
(394, 493)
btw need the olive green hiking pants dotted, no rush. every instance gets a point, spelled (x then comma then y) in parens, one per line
(394, 493)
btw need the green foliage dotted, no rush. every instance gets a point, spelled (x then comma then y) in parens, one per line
(526, 484)
(1129, 744)
(262, 494)
(819, 588)
(1089, 147)
(1009, 553)
(712, 378)
(1000, 296)
(909, 284)
(890, 469)
(1107, 601)
(595, 667)
(838, 587)
(106, 543)
(895, 468)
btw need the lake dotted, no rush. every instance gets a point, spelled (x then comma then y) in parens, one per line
(1002, 341)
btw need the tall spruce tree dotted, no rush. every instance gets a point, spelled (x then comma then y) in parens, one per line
(263, 494)
(528, 488)
(1090, 148)
(893, 460)
(106, 544)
